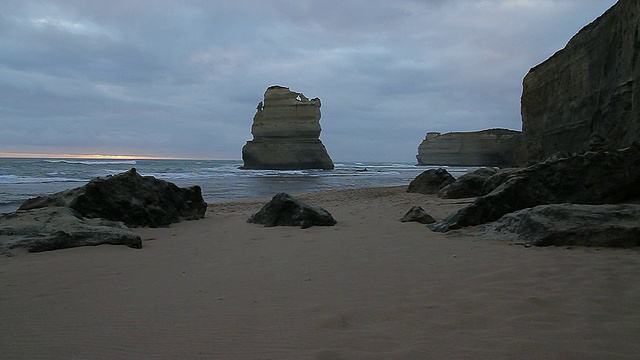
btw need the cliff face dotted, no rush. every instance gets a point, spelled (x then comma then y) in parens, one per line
(493, 147)
(286, 131)
(587, 95)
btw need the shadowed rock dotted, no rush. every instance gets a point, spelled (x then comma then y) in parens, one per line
(54, 227)
(417, 214)
(467, 185)
(600, 177)
(284, 210)
(573, 224)
(131, 198)
(430, 181)
(97, 212)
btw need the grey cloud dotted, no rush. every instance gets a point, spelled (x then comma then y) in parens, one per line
(182, 78)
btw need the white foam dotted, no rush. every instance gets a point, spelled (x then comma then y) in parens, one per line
(94, 162)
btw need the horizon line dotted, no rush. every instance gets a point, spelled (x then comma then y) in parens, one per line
(28, 155)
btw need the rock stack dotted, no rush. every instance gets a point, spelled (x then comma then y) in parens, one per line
(286, 131)
(493, 147)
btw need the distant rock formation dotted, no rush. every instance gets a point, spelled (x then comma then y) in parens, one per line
(587, 95)
(286, 131)
(493, 147)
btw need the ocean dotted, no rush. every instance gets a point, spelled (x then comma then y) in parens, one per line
(220, 180)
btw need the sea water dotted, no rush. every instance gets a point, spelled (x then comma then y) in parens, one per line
(220, 180)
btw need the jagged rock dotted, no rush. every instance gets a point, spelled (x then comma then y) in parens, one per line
(284, 210)
(601, 177)
(57, 227)
(585, 97)
(131, 198)
(467, 185)
(493, 147)
(572, 224)
(430, 181)
(286, 131)
(417, 214)
(96, 213)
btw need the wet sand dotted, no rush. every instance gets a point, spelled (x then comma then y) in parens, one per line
(369, 287)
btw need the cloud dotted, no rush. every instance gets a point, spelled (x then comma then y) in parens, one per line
(182, 78)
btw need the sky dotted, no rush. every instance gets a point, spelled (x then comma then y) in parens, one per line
(182, 78)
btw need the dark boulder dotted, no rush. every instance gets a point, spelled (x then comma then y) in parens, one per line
(52, 228)
(284, 210)
(600, 177)
(430, 181)
(467, 185)
(417, 214)
(98, 213)
(573, 225)
(131, 198)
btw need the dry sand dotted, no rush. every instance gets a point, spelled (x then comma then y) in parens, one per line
(368, 288)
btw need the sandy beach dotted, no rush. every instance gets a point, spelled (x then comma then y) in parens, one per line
(369, 287)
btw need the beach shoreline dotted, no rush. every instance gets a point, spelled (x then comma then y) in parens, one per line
(369, 287)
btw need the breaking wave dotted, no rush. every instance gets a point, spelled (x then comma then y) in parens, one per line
(94, 162)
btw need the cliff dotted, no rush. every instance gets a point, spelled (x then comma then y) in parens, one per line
(587, 95)
(493, 147)
(286, 131)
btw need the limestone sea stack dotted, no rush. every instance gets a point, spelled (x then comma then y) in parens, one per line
(587, 95)
(492, 147)
(286, 133)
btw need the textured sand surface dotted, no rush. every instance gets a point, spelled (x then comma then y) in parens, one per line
(370, 287)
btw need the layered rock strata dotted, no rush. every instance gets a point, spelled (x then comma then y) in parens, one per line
(587, 95)
(493, 147)
(286, 133)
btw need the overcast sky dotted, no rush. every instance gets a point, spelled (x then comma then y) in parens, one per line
(183, 78)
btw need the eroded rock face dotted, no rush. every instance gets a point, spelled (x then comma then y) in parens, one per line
(573, 224)
(599, 177)
(285, 210)
(587, 95)
(286, 131)
(493, 147)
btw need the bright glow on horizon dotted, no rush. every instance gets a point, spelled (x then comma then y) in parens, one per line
(82, 156)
